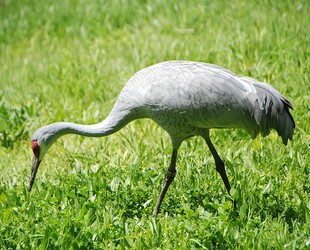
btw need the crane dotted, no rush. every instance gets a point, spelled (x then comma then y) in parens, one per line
(186, 99)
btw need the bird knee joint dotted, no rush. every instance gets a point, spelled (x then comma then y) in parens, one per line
(220, 165)
(170, 175)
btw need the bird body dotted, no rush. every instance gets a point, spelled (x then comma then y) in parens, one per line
(186, 99)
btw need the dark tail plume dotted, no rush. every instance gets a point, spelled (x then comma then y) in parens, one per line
(271, 110)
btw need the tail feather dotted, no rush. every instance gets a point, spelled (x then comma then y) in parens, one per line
(271, 111)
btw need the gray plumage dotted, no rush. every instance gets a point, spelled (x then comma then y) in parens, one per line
(186, 99)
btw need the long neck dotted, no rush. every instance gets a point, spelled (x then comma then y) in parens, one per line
(110, 125)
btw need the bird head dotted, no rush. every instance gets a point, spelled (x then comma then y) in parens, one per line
(41, 141)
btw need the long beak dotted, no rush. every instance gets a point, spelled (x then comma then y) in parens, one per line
(34, 168)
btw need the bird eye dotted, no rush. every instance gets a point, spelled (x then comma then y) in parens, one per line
(35, 148)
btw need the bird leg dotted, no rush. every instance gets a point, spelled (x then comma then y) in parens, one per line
(220, 167)
(168, 179)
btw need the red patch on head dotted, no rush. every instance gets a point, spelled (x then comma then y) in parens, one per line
(35, 148)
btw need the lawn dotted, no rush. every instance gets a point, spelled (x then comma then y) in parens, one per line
(68, 61)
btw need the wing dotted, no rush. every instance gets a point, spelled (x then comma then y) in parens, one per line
(203, 94)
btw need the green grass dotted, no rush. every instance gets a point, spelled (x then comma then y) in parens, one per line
(68, 60)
